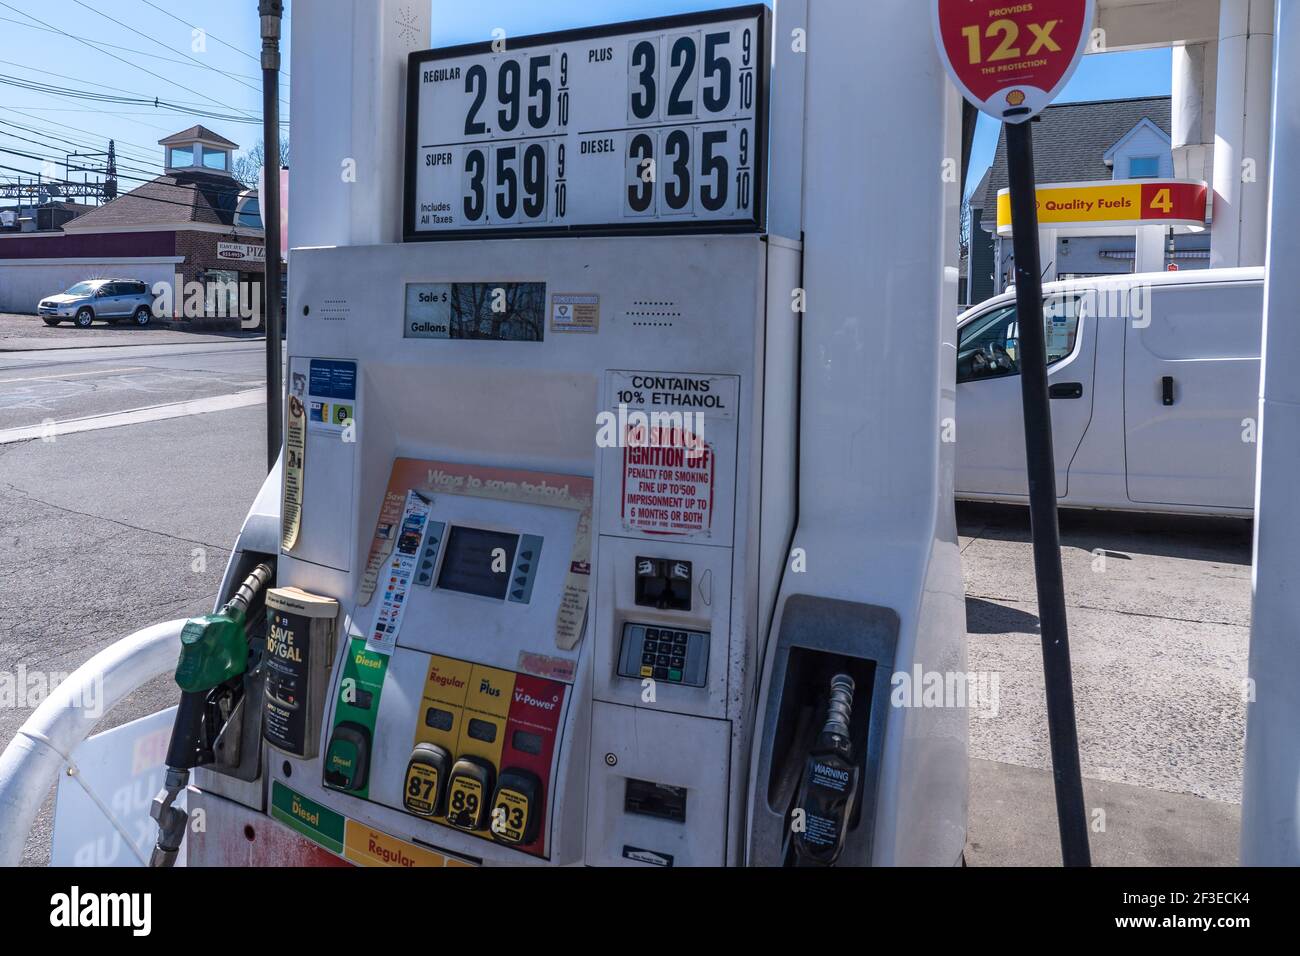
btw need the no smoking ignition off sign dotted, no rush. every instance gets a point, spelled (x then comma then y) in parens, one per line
(1012, 59)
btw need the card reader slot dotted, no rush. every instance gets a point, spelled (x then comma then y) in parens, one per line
(655, 800)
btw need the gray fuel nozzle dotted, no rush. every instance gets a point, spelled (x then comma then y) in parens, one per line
(170, 818)
(839, 711)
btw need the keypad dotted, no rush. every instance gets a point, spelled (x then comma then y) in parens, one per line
(674, 655)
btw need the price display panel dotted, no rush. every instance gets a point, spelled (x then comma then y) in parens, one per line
(655, 126)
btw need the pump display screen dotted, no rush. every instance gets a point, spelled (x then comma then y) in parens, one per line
(652, 126)
(478, 562)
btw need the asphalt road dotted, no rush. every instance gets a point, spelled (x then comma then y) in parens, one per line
(110, 529)
(29, 333)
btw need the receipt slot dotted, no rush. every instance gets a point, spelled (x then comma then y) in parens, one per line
(622, 446)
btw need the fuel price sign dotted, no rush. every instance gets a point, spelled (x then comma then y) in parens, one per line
(651, 126)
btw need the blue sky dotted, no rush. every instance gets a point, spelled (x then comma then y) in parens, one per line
(149, 54)
(1107, 76)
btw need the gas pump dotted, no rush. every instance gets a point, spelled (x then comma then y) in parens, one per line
(613, 495)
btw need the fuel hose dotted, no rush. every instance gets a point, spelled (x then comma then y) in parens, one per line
(185, 751)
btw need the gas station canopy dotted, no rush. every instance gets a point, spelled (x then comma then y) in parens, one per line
(1145, 202)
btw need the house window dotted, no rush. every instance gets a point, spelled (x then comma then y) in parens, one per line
(216, 159)
(250, 214)
(181, 157)
(1144, 167)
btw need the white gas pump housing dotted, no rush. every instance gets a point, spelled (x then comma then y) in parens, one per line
(563, 638)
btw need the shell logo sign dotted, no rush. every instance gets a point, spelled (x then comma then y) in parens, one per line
(1168, 202)
(1011, 58)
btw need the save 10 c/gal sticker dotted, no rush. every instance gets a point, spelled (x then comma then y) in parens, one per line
(657, 125)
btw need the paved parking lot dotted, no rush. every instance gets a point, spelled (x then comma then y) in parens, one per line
(103, 528)
(1159, 627)
(27, 333)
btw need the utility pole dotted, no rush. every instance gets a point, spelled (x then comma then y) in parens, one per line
(271, 13)
(1054, 631)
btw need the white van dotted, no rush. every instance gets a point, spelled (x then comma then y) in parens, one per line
(1154, 381)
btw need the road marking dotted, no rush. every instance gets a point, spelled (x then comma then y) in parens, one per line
(46, 378)
(134, 416)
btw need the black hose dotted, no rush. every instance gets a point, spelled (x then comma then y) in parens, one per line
(257, 579)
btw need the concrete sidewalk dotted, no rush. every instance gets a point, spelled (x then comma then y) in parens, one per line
(1159, 612)
(28, 333)
(1013, 822)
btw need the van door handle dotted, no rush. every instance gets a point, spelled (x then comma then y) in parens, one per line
(1167, 390)
(1066, 390)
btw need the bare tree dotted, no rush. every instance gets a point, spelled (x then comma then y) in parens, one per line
(963, 235)
(248, 166)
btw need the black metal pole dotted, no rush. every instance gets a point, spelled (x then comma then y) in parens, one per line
(271, 13)
(1041, 468)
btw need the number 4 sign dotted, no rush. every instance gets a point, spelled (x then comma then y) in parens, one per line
(1011, 59)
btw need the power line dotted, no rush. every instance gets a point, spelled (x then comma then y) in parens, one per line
(199, 63)
(157, 103)
(152, 151)
(138, 148)
(165, 130)
(113, 46)
(120, 60)
(151, 174)
(78, 79)
(255, 59)
(133, 195)
(82, 150)
(80, 146)
(213, 187)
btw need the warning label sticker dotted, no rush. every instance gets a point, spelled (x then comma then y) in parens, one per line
(708, 395)
(671, 453)
(671, 428)
(667, 489)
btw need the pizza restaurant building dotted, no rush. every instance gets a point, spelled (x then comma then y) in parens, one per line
(195, 226)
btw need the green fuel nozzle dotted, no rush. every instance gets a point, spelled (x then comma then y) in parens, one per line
(214, 647)
(214, 651)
